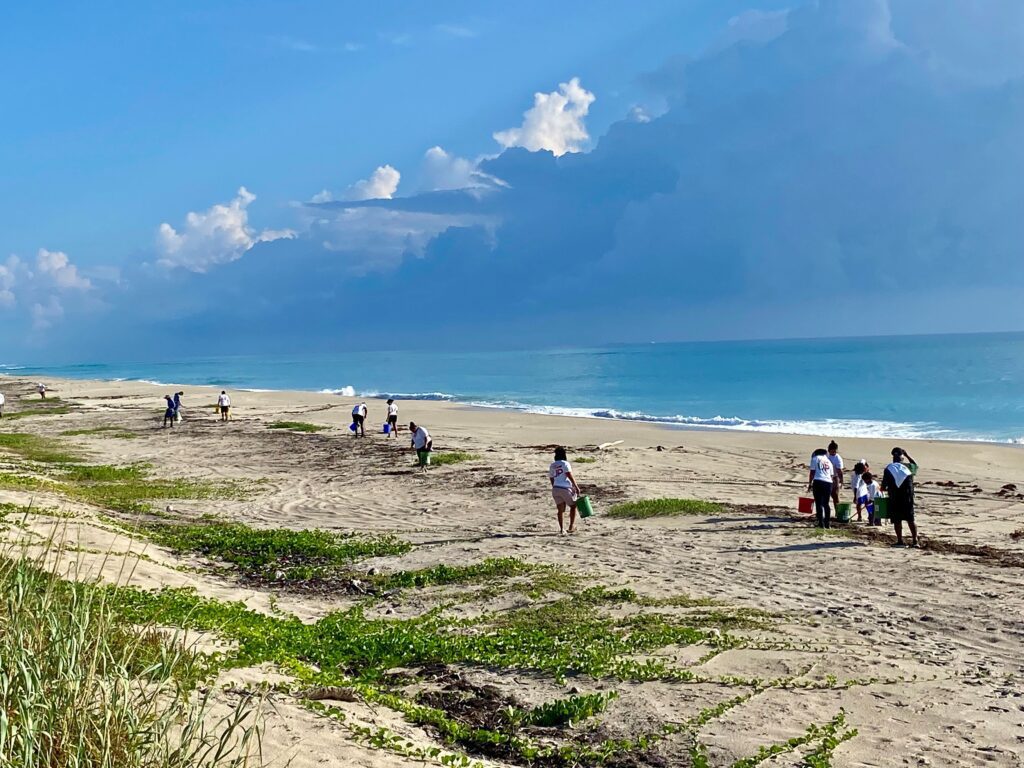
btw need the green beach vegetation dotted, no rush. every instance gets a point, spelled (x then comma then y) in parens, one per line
(85, 688)
(639, 510)
(442, 458)
(297, 426)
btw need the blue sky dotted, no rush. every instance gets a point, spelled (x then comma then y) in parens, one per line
(715, 169)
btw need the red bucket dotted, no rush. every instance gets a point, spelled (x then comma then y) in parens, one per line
(805, 505)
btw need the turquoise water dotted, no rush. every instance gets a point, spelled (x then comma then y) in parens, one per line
(950, 387)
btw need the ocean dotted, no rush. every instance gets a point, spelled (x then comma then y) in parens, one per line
(955, 387)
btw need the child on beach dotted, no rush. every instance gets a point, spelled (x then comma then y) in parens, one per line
(564, 490)
(870, 491)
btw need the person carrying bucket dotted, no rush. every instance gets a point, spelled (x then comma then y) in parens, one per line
(564, 490)
(820, 483)
(359, 420)
(898, 483)
(392, 421)
(422, 443)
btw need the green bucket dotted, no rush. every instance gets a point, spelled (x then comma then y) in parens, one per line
(843, 512)
(583, 506)
(881, 508)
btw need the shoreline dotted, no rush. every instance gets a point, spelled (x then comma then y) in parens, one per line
(855, 626)
(673, 423)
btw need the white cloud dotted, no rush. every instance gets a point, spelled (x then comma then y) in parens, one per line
(215, 236)
(555, 122)
(323, 196)
(58, 267)
(442, 170)
(381, 185)
(8, 279)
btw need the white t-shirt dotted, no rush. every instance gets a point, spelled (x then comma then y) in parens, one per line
(823, 469)
(359, 410)
(856, 483)
(2, 398)
(393, 409)
(223, 400)
(872, 489)
(420, 438)
(559, 472)
(837, 462)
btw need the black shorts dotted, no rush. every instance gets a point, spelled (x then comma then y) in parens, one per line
(393, 419)
(900, 513)
(225, 408)
(357, 419)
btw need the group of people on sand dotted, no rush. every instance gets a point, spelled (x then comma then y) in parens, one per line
(421, 441)
(897, 484)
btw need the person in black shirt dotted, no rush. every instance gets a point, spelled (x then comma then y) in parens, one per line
(898, 482)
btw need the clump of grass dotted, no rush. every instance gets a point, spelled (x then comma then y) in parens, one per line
(584, 460)
(574, 709)
(442, 458)
(297, 426)
(56, 410)
(118, 432)
(36, 448)
(82, 687)
(264, 553)
(639, 510)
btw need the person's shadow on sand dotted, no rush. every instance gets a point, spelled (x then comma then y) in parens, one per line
(807, 547)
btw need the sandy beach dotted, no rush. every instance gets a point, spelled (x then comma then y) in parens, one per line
(919, 650)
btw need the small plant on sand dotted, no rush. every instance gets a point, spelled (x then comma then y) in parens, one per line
(574, 709)
(639, 510)
(83, 688)
(584, 460)
(297, 426)
(442, 458)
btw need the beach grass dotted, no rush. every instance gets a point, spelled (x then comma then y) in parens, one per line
(36, 448)
(82, 686)
(442, 458)
(297, 426)
(641, 510)
(275, 553)
(110, 431)
(56, 410)
(584, 460)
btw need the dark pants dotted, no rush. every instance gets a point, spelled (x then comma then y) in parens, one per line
(822, 497)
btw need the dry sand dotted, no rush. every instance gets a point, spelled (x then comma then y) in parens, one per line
(936, 635)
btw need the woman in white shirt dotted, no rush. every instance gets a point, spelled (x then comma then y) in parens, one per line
(392, 418)
(563, 489)
(820, 482)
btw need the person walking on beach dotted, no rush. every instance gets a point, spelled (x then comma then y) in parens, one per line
(224, 405)
(359, 419)
(422, 443)
(177, 406)
(392, 418)
(564, 490)
(820, 482)
(898, 482)
(170, 412)
(41, 389)
(837, 465)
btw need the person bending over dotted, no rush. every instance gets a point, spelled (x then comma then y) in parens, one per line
(359, 419)
(422, 443)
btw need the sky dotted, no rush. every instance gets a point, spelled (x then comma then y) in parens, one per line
(318, 175)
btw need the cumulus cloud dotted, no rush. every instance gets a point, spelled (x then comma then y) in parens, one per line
(215, 236)
(56, 266)
(555, 122)
(381, 185)
(443, 171)
(8, 278)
